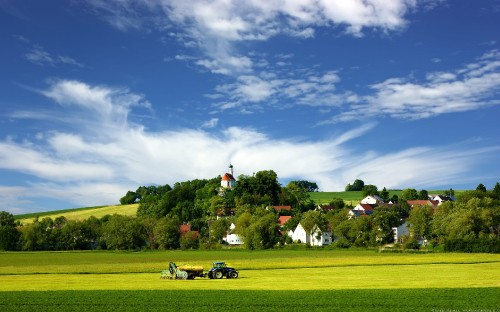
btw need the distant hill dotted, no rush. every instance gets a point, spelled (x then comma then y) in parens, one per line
(351, 198)
(81, 213)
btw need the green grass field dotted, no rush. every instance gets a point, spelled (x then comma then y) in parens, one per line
(309, 279)
(82, 213)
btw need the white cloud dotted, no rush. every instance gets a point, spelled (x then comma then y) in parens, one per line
(284, 85)
(39, 56)
(209, 124)
(98, 167)
(217, 26)
(468, 88)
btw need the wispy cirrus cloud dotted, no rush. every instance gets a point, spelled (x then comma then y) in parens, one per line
(97, 167)
(38, 55)
(217, 27)
(469, 88)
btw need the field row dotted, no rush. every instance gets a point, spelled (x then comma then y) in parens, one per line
(151, 262)
(352, 277)
(474, 299)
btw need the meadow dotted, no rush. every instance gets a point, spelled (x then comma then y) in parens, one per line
(79, 214)
(307, 279)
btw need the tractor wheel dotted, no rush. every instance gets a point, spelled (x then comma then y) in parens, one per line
(218, 274)
(233, 274)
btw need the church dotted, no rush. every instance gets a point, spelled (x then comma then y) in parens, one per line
(228, 181)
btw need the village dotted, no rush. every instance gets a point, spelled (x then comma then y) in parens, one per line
(318, 237)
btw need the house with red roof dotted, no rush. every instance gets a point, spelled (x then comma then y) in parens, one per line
(361, 210)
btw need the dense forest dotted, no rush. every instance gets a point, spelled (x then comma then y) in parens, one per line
(205, 211)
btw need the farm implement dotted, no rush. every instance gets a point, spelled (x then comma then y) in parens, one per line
(183, 272)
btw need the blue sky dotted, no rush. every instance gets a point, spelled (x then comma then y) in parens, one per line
(98, 97)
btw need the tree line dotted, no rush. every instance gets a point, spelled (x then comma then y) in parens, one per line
(472, 220)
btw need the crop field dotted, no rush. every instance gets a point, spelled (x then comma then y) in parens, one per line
(83, 213)
(277, 280)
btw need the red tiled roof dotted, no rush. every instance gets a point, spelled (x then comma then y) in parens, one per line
(279, 208)
(184, 228)
(283, 219)
(366, 207)
(228, 177)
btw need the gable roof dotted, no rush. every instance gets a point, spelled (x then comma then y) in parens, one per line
(283, 219)
(228, 177)
(364, 207)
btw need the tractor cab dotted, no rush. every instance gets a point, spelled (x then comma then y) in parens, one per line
(219, 265)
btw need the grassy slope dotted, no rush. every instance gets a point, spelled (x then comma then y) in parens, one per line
(82, 213)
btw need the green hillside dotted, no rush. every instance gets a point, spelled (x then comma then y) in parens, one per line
(82, 213)
(350, 198)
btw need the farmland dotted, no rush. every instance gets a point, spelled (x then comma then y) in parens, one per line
(128, 280)
(82, 213)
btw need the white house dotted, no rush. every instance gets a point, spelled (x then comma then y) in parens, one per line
(233, 238)
(441, 198)
(400, 231)
(361, 210)
(315, 238)
(372, 200)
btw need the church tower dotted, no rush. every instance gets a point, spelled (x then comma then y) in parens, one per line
(228, 181)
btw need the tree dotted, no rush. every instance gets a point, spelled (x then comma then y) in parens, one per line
(306, 185)
(496, 191)
(481, 188)
(420, 221)
(167, 233)
(369, 189)
(449, 193)
(384, 194)
(263, 232)
(123, 232)
(313, 218)
(356, 186)
(423, 194)
(409, 194)
(218, 230)
(298, 196)
(337, 203)
(384, 219)
(9, 235)
(129, 198)
(189, 240)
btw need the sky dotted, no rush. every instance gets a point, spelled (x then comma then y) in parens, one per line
(99, 97)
